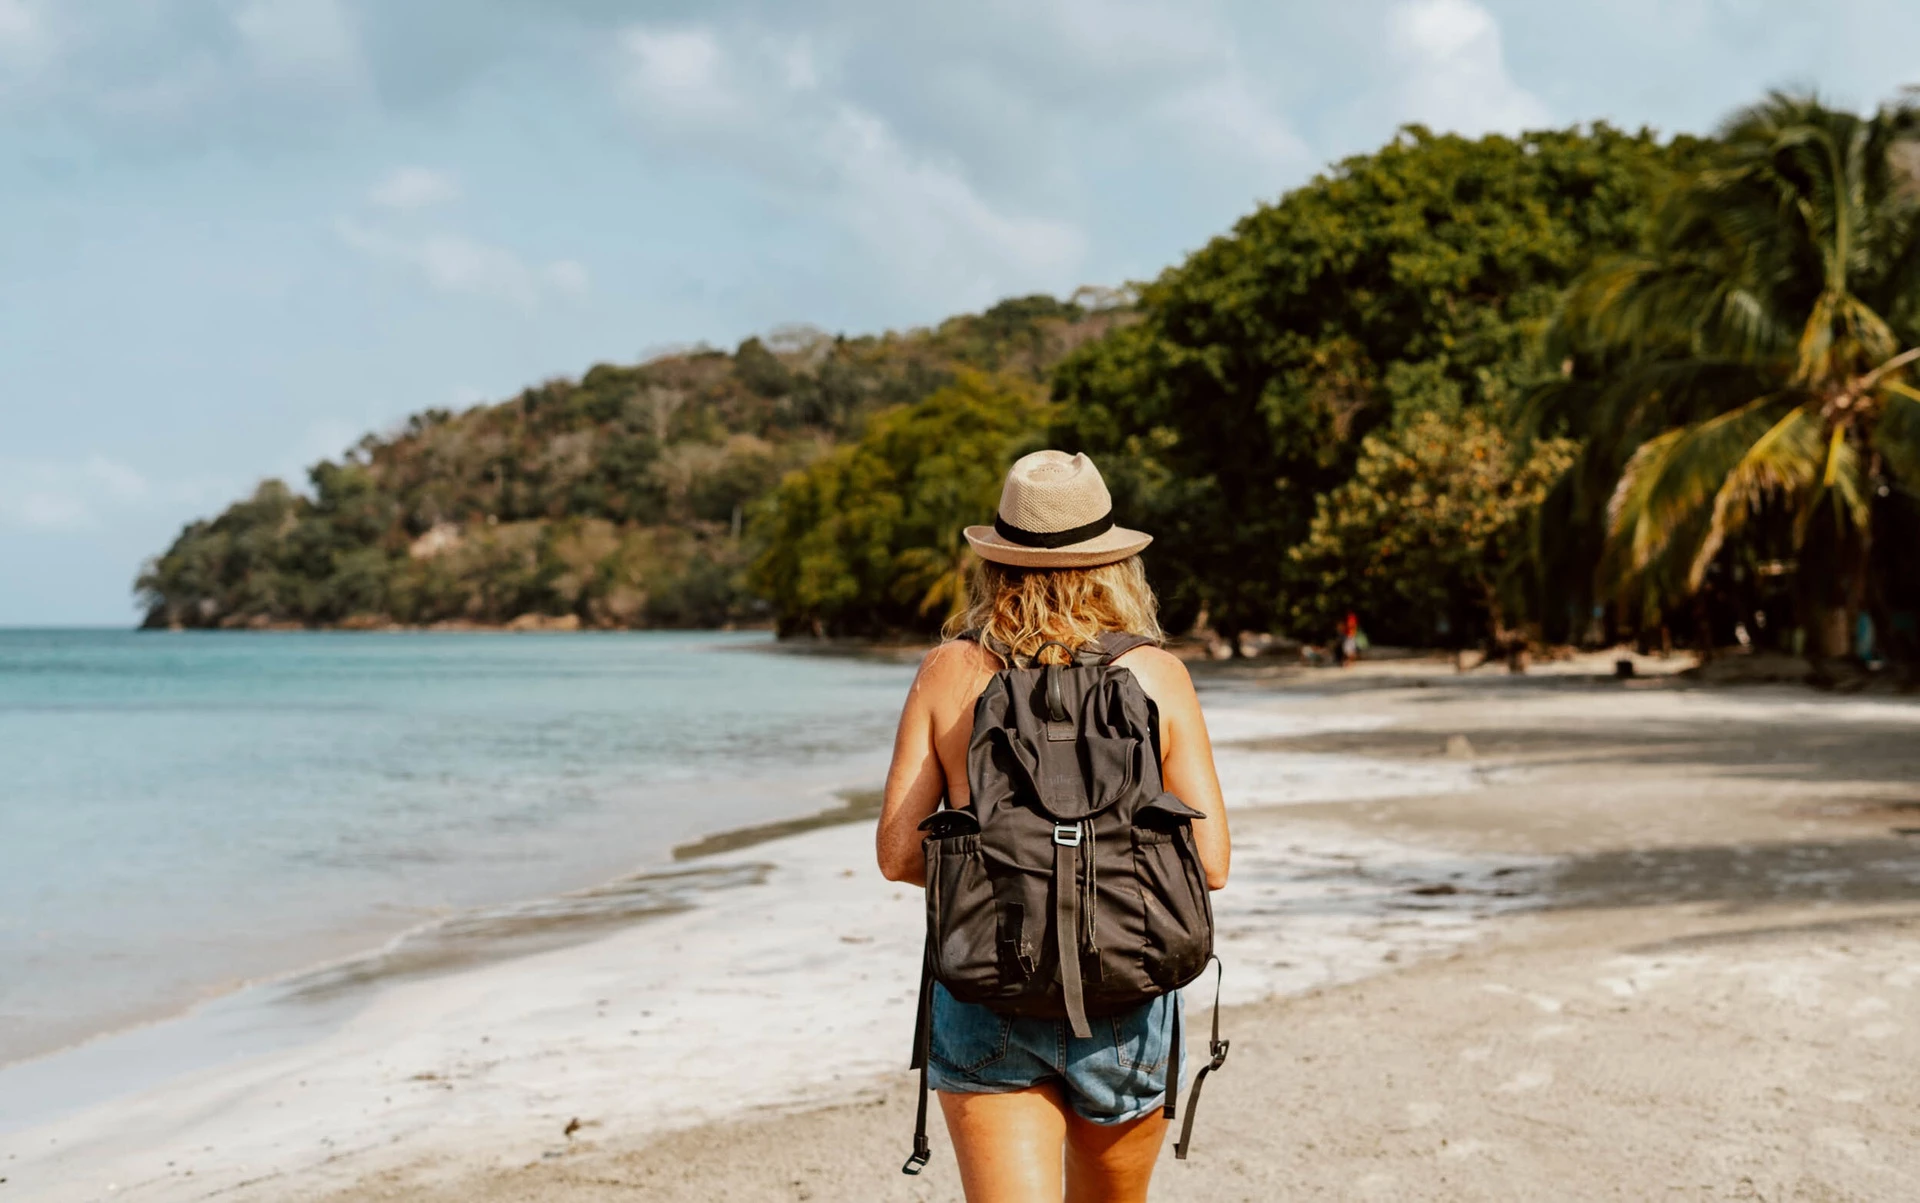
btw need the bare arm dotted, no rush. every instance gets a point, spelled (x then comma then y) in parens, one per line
(1186, 755)
(915, 780)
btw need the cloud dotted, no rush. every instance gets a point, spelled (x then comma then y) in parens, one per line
(1226, 115)
(1454, 72)
(28, 48)
(152, 77)
(455, 264)
(20, 27)
(414, 188)
(301, 42)
(678, 71)
(759, 105)
(66, 495)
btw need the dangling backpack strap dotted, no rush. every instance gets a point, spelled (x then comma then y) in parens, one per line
(1066, 924)
(1176, 1052)
(1217, 1049)
(922, 1043)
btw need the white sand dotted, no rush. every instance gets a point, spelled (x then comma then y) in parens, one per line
(797, 991)
(1681, 1020)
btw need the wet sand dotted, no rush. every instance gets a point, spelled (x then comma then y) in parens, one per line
(1713, 994)
(1647, 941)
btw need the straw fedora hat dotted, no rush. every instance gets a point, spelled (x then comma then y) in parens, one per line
(1055, 512)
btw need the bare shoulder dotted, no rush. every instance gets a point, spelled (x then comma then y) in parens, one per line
(1162, 674)
(955, 666)
(959, 657)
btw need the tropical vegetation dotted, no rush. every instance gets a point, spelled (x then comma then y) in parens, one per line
(1572, 385)
(1419, 279)
(1435, 522)
(1743, 384)
(622, 499)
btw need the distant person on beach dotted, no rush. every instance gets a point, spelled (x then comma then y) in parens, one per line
(1352, 640)
(1034, 1111)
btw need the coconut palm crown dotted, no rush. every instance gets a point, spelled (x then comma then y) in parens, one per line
(1754, 366)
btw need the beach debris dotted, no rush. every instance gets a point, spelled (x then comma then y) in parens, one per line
(1459, 747)
(573, 1125)
(1438, 889)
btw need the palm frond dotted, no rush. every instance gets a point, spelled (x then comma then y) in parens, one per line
(1847, 478)
(1897, 438)
(1674, 477)
(1745, 361)
(1842, 492)
(1781, 461)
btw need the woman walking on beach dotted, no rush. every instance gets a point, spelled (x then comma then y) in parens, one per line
(1036, 1112)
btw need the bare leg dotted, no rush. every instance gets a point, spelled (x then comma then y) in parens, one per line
(1112, 1163)
(1008, 1145)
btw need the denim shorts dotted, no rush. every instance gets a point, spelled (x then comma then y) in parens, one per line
(1112, 1077)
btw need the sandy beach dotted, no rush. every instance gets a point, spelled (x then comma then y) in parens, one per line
(1488, 938)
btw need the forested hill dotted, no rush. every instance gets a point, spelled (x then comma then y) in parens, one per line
(618, 500)
(1554, 387)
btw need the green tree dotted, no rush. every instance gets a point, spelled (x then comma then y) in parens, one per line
(868, 538)
(1749, 374)
(1418, 278)
(1429, 538)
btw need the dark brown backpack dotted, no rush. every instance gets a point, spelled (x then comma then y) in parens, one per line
(1070, 886)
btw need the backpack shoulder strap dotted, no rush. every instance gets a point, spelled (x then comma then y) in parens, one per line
(1115, 644)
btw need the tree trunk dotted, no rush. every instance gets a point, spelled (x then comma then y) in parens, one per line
(1229, 635)
(1828, 633)
(1861, 546)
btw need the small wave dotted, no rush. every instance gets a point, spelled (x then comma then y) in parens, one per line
(516, 929)
(856, 805)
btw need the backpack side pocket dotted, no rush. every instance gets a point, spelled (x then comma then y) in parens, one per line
(963, 919)
(1173, 889)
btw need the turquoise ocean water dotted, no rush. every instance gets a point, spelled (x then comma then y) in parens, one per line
(180, 813)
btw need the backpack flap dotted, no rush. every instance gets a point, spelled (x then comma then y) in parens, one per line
(1075, 767)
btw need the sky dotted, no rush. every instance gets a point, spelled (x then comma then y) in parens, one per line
(239, 234)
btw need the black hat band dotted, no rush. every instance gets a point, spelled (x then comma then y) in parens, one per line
(1053, 538)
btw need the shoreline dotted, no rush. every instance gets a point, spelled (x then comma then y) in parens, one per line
(1704, 987)
(792, 852)
(391, 944)
(1382, 883)
(497, 836)
(525, 624)
(484, 935)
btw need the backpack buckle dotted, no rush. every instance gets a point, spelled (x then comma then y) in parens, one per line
(1067, 835)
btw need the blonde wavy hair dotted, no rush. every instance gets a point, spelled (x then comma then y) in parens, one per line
(1025, 608)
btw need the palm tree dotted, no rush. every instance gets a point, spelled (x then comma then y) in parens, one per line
(1752, 371)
